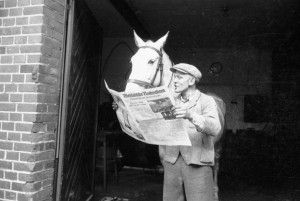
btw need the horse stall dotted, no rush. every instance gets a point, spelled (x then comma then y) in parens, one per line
(247, 53)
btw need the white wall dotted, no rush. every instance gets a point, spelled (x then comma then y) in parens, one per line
(246, 70)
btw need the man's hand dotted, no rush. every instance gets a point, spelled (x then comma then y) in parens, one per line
(114, 106)
(181, 111)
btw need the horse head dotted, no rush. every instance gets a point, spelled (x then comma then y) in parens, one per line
(150, 65)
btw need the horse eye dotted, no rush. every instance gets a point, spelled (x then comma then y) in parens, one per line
(151, 62)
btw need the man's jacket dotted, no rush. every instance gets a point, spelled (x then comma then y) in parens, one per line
(203, 127)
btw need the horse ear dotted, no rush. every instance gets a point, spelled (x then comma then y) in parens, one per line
(161, 42)
(138, 41)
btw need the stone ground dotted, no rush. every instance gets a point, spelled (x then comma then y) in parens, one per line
(142, 185)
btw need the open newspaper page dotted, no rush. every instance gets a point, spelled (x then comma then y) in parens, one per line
(146, 116)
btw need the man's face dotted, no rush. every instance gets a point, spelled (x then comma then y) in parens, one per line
(182, 81)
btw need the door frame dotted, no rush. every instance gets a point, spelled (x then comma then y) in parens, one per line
(63, 102)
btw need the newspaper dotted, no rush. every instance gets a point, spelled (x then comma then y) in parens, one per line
(146, 116)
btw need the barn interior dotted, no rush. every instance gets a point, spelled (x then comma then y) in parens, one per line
(248, 53)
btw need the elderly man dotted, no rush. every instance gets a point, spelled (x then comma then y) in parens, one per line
(188, 169)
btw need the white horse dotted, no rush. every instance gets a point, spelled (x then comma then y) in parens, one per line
(151, 68)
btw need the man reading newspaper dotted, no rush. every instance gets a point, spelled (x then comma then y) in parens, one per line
(188, 169)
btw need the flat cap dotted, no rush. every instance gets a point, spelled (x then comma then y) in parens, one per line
(188, 69)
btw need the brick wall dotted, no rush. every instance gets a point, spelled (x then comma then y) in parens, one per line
(31, 35)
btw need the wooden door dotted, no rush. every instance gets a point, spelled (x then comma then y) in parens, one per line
(79, 105)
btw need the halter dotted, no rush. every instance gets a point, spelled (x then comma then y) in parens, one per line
(159, 67)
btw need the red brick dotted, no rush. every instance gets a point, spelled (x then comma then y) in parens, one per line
(9, 21)
(47, 79)
(53, 108)
(24, 197)
(6, 145)
(12, 156)
(41, 98)
(47, 155)
(27, 157)
(7, 40)
(4, 184)
(31, 108)
(37, 137)
(46, 69)
(16, 97)
(59, 17)
(34, 29)
(7, 107)
(44, 88)
(37, 176)
(11, 88)
(1, 191)
(31, 78)
(2, 50)
(47, 51)
(29, 166)
(1, 87)
(36, 2)
(13, 49)
(15, 12)
(33, 10)
(36, 20)
(35, 127)
(14, 136)
(18, 78)
(28, 68)
(34, 58)
(30, 48)
(55, 6)
(45, 194)
(49, 146)
(10, 31)
(21, 40)
(11, 175)
(4, 13)
(10, 195)
(19, 58)
(10, 3)
(3, 136)
(46, 118)
(15, 117)
(10, 126)
(3, 116)
(5, 165)
(56, 53)
(9, 69)
(1, 174)
(22, 21)
(34, 39)
(23, 2)
(23, 127)
(6, 59)
(28, 147)
(27, 88)
(47, 182)
(5, 78)
(4, 97)
(49, 164)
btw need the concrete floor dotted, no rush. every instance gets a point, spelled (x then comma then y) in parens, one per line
(142, 185)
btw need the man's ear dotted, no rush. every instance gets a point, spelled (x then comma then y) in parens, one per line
(192, 81)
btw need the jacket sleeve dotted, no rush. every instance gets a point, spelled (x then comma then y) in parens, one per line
(207, 122)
